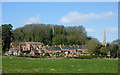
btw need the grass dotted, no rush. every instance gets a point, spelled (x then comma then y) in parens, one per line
(36, 65)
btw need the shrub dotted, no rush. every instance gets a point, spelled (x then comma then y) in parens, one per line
(84, 57)
(62, 54)
(92, 56)
(47, 54)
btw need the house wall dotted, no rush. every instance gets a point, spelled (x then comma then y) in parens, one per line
(43, 48)
(32, 52)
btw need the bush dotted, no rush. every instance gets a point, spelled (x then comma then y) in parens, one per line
(62, 55)
(47, 54)
(57, 53)
(84, 57)
(92, 56)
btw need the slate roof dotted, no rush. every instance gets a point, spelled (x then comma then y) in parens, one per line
(68, 47)
(52, 48)
(46, 48)
(80, 47)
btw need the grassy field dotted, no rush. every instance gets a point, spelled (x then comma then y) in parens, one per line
(36, 65)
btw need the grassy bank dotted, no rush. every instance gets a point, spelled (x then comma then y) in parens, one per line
(36, 65)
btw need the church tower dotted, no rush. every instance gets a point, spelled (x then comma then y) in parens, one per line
(104, 39)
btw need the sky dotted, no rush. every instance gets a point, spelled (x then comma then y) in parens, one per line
(94, 16)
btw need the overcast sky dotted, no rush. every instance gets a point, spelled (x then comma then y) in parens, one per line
(94, 16)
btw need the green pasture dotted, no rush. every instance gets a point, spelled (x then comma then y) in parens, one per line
(37, 65)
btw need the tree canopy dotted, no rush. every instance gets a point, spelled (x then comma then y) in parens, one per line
(6, 36)
(51, 34)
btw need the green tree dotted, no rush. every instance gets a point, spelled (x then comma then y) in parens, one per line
(47, 34)
(6, 36)
(92, 45)
(57, 53)
(97, 49)
(104, 50)
(114, 50)
(47, 54)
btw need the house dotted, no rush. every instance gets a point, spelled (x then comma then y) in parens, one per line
(27, 46)
(36, 48)
(31, 48)
(13, 50)
(34, 52)
(69, 48)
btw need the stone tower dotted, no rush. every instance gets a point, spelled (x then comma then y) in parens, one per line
(104, 39)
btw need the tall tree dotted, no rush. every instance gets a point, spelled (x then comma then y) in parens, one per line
(114, 50)
(92, 45)
(6, 36)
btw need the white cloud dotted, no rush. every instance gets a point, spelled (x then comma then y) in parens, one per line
(31, 20)
(78, 18)
(112, 30)
(90, 30)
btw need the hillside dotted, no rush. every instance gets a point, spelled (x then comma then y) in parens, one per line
(51, 34)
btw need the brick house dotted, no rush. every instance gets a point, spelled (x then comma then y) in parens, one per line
(28, 45)
(13, 50)
(69, 48)
(35, 48)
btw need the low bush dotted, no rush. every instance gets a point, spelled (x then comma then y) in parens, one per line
(92, 56)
